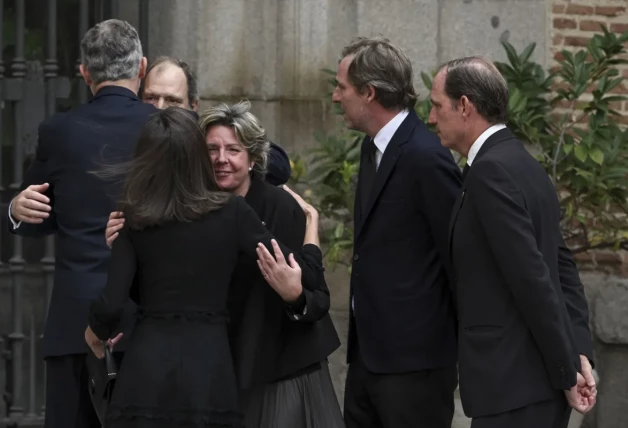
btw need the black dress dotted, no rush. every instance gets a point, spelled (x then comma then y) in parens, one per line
(177, 369)
(280, 352)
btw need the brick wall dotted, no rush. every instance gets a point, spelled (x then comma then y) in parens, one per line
(573, 24)
(575, 21)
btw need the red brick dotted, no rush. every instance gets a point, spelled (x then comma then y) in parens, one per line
(617, 105)
(609, 10)
(564, 23)
(558, 40)
(620, 89)
(558, 8)
(559, 85)
(591, 25)
(583, 257)
(619, 27)
(623, 119)
(576, 41)
(608, 258)
(576, 9)
(563, 104)
(558, 56)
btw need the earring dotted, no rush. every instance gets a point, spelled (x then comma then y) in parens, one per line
(250, 168)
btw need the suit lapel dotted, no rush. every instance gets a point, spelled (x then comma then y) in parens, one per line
(454, 217)
(498, 137)
(357, 207)
(386, 167)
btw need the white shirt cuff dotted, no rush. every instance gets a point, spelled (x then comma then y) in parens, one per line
(13, 222)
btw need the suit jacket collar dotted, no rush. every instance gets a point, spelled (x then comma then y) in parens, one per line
(114, 90)
(385, 135)
(498, 137)
(386, 166)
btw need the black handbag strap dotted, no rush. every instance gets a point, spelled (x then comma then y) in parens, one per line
(110, 363)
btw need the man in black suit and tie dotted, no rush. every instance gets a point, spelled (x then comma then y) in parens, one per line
(402, 340)
(523, 315)
(60, 195)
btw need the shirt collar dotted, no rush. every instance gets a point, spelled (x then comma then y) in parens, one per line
(385, 134)
(477, 145)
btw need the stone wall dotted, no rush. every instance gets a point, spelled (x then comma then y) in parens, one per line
(271, 51)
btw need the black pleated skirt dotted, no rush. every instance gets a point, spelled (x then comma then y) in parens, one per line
(305, 401)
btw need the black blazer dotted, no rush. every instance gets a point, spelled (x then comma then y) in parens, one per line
(71, 144)
(267, 342)
(404, 315)
(523, 316)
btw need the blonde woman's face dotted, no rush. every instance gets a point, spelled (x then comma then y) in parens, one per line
(230, 159)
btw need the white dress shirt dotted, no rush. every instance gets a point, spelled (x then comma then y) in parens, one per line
(477, 145)
(15, 224)
(385, 134)
(381, 141)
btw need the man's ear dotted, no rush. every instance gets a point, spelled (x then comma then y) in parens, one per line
(370, 92)
(465, 106)
(85, 74)
(194, 105)
(143, 67)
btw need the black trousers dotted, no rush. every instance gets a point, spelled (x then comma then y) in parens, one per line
(545, 414)
(68, 404)
(408, 400)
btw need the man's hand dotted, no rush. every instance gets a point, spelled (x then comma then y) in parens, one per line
(31, 205)
(115, 223)
(589, 389)
(576, 399)
(95, 344)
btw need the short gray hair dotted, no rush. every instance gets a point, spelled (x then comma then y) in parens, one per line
(481, 82)
(379, 63)
(247, 128)
(111, 50)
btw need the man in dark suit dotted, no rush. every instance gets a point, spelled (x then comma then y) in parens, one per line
(170, 82)
(402, 340)
(60, 195)
(523, 315)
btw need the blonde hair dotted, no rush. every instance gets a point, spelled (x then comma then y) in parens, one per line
(248, 130)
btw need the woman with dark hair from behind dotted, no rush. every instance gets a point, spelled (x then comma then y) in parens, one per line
(180, 245)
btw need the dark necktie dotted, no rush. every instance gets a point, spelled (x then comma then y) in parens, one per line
(369, 171)
(465, 171)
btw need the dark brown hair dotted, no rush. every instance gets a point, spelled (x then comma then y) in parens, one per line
(481, 82)
(190, 76)
(171, 177)
(379, 63)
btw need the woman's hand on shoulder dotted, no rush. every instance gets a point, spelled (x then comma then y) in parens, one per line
(310, 212)
(284, 277)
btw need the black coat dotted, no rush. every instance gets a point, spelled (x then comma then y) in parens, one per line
(267, 342)
(404, 316)
(523, 315)
(101, 132)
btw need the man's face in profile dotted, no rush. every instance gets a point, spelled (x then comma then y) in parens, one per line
(166, 86)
